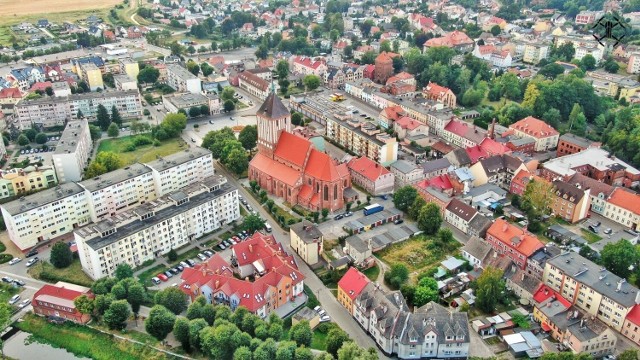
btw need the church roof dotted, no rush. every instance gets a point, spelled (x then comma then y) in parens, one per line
(275, 169)
(273, 107)
(292, 148)
(321, 167)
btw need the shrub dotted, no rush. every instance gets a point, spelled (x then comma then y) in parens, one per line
(3, 247)
(5, 258)
(156, 142)
(142, 140)
(130, 147)
(146, 112)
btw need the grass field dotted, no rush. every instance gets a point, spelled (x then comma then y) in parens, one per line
(145, 153)
(145, 277)
(590, 236)
(372, 273)
(44, 271)
(11, 9)
(413, 253)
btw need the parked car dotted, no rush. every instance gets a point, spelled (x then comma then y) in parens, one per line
(325, 318)
(162, 277)
(24, 303)
(398, 221)
(317, 308)
(14, 299)
(221, 246)
(338, 217)
(179, 267)
(174, 271)
(18, 282)
(226, 243)
(347, 214)
(608, 231)
(184, 264)
(191, 262)
(593, 229)
(322, 312)
(32, 261)
(202, 257)
(168, 274)
(209, 253)
(31, 253)
(597, 224)
(155, 280)
(7, 279)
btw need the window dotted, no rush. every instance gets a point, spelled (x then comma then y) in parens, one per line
(326, 193)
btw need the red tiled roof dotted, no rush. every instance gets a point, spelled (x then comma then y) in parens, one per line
(493, 147)
(367, 168)
(486, 49)
(435, 90)
(442, 147)
(451, 39)
(308, 62)
(254, 80)
(13, 93)
(275, 169)
(393, 112)
(41, 86)
(440, 182)
(60, 292)
(292, 148)
(534, 127)
(634, 315)
(408, 123)
(321, 167)
(544, 292)
(525, 242)
(353, 282)
(626, 200)
(476, 153)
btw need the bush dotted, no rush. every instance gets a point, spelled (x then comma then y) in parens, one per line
(146, 112)
(5, 258)
(130, 147)
(3, 247)
(156, 142)
(142, 140)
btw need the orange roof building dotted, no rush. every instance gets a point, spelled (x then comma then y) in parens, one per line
(545, 135)
(440, 94)
(373, 177)
(350, 286)
(455, 39)
(516, 243)
(288, 166)
(623, 207)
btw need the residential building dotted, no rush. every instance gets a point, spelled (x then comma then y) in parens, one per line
(54, 111)
(476, 251)
(498, 170)
(534, 52)
(371, 176)
(440, 94)
(307, 241)
(304, 65)
(350, 287)
(23, 78)
(30, 179)
(595, 163)
(587, 17)
(73, 151)
(545, 135)
(9, 97)
(406, 173)
(174, 102)
(570, 144)
(277, 282)
(129, 67)
(461, 134)
(623, 207)
(360, 251)
(520, 283)
(591, 288)
(124, 83)
(154, 228)
(513, 242)
(631, 325)
(90, 73)
(255, 85)
(57, 301)
(181, 80)
(434, 168)
(591, 336)
(459, 214)
(407, 127)
(479, 225)
(289, 166)
(633, 65)
(599, 193)
(175, 171)
(456, 40)
(571, 203)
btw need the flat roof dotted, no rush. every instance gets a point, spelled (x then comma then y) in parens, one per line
(595, 157)
(167, 162)
(68, 142)
(181, 72)
(72, 97)
(34, 201)
(187, 100)
(115, 177)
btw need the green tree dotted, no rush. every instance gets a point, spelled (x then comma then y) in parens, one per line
(262, 52)
(282, 69)
(551, 71)
(429, 218)
(611, 66)
(303, 353)
(173, 124)
(136, 295)
(227, 93)
(23, 140)
(84, 304)
(619, 257)
(195, 329)
(286, 350)
(181, 332)
(173, 299)
(630, 354)
(193, 68)
(102, 303)
(117, 314)
(405, 197)
(242, 353)
(31, 134)
(61, 255)
(237, 161)
(495, 30)
(229, 106)
(252, 223)
(160, 322)
(296, 119)
(206, 69)
(537, 197)
(588, 62)
(426, 291)
(552, 117)
(113, 130)
(577, 121)
(325, 213)
(102, 118)
(249, 136)
(124, 271)
(311, 82)
(172, 255)
(42, 138)
(489, 288)
(148, 75)
(351, 351)
(115, 116)
(301, 333)
(414, 209)
(397, 275)
(194, 111)
(335, 339)
(95, 131)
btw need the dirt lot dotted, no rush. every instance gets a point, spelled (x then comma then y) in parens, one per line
(31, 7)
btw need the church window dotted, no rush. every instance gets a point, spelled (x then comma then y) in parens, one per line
(317, 188)
(326, 193)
(335, 192)
(289, 191)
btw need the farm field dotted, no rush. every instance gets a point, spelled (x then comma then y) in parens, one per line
(23, 9)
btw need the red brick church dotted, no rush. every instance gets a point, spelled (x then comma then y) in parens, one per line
(288, 166)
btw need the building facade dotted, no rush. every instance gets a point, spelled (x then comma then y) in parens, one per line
(350, 286)
(57, 301)
(371, 176)
(307, 241)
(30, 179)
(182, 80)
(513, 242)
(72, 153)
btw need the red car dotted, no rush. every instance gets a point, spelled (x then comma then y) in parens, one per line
(237, 239)
(162, 277)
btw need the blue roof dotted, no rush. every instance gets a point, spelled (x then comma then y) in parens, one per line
(96, 60)
(464, 174)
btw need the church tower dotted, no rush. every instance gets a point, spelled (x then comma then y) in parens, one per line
(272, 118)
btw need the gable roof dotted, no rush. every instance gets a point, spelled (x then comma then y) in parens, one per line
(626, 200)
(515, 237)
(534, 127)
(353, 282)
(461, 210)
(408, 123)
(322, 167)
(279, 171)
(367, 168)
(477, 248)
(573, 193)
(61, 294)
(292, 148)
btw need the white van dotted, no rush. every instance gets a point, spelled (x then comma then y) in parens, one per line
(267, 227)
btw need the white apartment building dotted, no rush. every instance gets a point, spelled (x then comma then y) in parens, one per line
(45, 215)
(459, 214)
(534, 52)
(176, 171)
(73, 151)
(103, 196)
(582, 46)
(633, 65)
(182, 80)
(156, 227)
(623, 207)
(123, 82)
(55, 111)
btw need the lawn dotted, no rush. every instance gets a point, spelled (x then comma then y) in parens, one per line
(142, 154)
(319, 340)
(590, 236)
(189, 254)
(145, 277)
(372, 272)
(413, 253)
(44, 271)
(7, 291)
(84, 341)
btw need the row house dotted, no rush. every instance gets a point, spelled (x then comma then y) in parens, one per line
(463, 135)
(371, 176)
(513, 242)
(337, 77)
(406, 173)
(599, 192)
(255, 85)
(304, 65)
(570, 202)
(460, 214)
(499, 170)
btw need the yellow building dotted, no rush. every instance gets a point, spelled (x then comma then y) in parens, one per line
(92, 75)
(307, 241)
(350, 287)
(129, 67)
(29, 179)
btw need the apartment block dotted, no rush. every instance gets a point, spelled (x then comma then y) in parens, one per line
(534, 52)
(633, 65)
(307, 241)
(512, 241)
(545, 136)
(178, 170)
(73, 150)
(570, 202)
(182, 80)
(174, 102)
(124, 82)
(90, 73)
(156, 227)
(623, 207)
(54, 111)
(30, 179)
(591, 288)
(129, 67)
(255, 85)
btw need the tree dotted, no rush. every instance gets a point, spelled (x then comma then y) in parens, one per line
(619, 257)
(227, 93)
(181, 332)
(611, 66)
(249, 136)
(538, 196)
(429, 218)
(84, 304)
(195, 329)
(204, 110)
(116, 315)
(282, 69)
(193, 68)
(551, 71)
(262, 52)
(472, 98)
(414, 209)
(495, 30)
(173, 124)
(173, 299)
(311, 82)
(124, 271)
(229, 106)
(148, 75)
(49, 91)
(237, 161)
(113, 130)
(405, 197)
(61, 255)
(588, 62)
(102, 118)
(23, 140)
(136, 296)
(252, 223)
(242, 353)
(95, 131)
(296, 118)
(351, 351)
(160, 322)
(31, 134)
(194, 111)
(426, 291)
(489, 288)
(172, 255)
(335, 339)
(115, 116)
(396, 276)
(301, 333)
(206, 69)
(42, 138)
(630, 354)
(325, 213)
(215, 140)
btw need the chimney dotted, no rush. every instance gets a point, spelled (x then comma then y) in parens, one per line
(522, 279)
(217, 284)
(250, 247)
(582, 322)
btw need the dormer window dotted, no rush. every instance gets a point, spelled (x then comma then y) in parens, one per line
(413, 339)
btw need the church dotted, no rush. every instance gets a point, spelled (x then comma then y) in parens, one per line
(288, 166)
